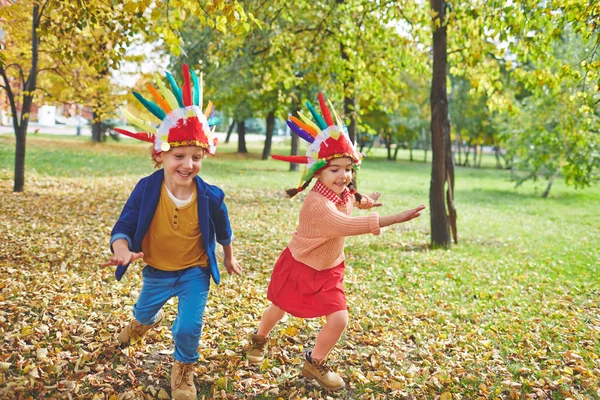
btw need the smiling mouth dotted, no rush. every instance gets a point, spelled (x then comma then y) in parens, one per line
(184, 174)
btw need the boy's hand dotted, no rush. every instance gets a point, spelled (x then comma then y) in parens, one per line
(232, 266)
(123, 257)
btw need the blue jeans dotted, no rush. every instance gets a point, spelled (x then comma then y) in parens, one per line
(191, 287)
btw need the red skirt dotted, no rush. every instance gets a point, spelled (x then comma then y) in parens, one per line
(306, 292)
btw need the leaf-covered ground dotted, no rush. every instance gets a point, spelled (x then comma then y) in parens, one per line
(512, 312)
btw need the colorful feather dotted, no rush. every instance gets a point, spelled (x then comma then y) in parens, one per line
(186, 89)
(313, 168)
(307, 121)
(300, 132)
(153, 108)
(176, 90)
(166, 93)
(325, 110)
(159, 99)
(196, 87)
(201, 93)
(292, 159)
(144, 125)
(145, 136)
(209, 108)
(213, 121)
(320, 122)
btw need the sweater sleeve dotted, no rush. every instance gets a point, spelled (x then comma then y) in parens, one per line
(330, 222)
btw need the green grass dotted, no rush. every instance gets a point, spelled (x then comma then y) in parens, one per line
(519, 291)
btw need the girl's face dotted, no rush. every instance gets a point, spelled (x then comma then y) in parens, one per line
(181, 164)
(336, 175)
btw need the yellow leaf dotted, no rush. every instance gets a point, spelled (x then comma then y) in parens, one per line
(446, 396)
(26, 330)
(291, 331)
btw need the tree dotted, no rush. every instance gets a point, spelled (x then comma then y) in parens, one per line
(442, 168)
(92, 34)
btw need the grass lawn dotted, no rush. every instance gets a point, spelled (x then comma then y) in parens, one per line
(512, 311)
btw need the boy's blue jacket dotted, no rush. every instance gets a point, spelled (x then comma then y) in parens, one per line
(139, 210)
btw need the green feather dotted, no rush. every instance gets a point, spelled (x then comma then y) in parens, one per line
(314, 168)
(318, 119)
(196, 91)
(176, 90)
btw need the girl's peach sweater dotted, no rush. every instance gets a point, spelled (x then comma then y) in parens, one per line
(322, 229)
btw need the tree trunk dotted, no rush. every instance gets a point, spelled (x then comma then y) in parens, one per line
(349, 95)
(388, 145)
(241, 130)
(458, 145)
(295, 151)
(350, 112)
(425, 145)
(547, 191)
(20, 146)
(229, 131)
(450, 187)
(28, 89)
(396, 152)
(440, 129)
(269, 139)
(411, 153)
(96, 128)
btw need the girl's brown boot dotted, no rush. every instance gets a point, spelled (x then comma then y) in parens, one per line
(258, 346)
(318, 370)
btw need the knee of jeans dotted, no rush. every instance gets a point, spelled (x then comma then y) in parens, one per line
(188, 332)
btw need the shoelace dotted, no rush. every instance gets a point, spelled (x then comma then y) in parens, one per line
(184, 371)
(322, 367)
(138, 330)
(256, 345)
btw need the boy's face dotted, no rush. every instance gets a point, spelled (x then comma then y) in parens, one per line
(182, 164)
(337, 174)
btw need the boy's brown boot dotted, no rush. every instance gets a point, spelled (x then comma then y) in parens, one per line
(258, 346)
(318, 370)
(182, 381)
(134, 331)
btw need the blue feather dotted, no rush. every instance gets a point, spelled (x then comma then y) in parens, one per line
(300, 132)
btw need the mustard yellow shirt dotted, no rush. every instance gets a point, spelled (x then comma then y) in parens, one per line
(174, 241)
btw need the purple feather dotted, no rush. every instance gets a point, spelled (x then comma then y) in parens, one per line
(300, 132)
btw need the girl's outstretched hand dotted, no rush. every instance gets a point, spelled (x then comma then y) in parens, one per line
(387, 220)
(410, 214)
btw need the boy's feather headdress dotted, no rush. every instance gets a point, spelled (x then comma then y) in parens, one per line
(182, 121)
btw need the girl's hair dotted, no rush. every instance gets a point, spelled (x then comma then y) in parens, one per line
(294, 191)
(357, 196)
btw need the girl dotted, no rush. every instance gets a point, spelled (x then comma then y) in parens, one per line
(307, 281)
